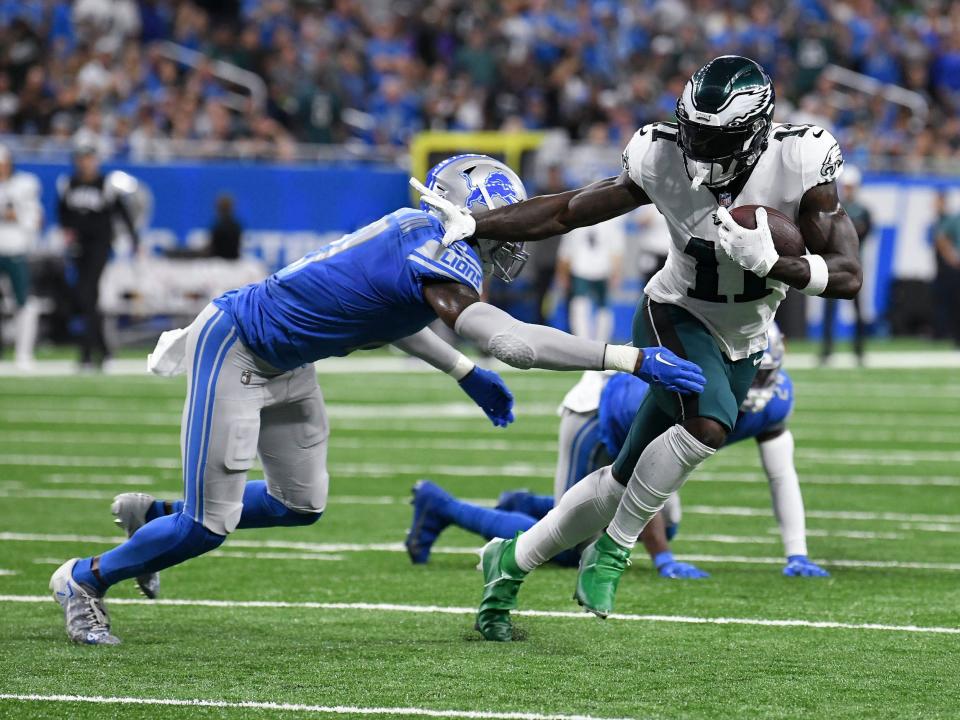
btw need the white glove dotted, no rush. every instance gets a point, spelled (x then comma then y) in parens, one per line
(458, 223)
(752, 250)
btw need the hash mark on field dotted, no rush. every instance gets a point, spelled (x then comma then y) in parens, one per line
(554, 614)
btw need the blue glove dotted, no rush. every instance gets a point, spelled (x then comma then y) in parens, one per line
(490, 392)
(669, 568)
(802, 566)
(662, 367)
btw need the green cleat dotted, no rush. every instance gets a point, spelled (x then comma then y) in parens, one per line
(501, 578)
(602, 564)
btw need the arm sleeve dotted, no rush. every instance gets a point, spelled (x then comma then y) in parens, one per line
(527, 346)
(429, 347)
(636, 151)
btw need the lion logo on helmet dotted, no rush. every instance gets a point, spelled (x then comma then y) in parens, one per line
(497, 184)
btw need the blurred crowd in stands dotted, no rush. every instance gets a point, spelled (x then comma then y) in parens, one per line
(372, 73)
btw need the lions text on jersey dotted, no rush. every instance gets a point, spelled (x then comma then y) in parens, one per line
(735, 305)
(362, 291)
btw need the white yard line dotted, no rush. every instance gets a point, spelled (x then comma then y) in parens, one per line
(300, 707)
(559, 614)
(4, 571)
(823, 514)
(313, 549)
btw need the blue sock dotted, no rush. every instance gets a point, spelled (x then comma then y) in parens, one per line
(488, 522)
(161, 508)
(534, 505)
(159, 544)
(260, 509)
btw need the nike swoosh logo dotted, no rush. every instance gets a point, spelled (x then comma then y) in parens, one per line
(665, 362)
(757, 361)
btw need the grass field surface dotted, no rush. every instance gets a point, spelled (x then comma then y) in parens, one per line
(333, 621)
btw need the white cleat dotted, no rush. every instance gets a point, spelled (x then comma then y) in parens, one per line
(85, 616)
(130, 512)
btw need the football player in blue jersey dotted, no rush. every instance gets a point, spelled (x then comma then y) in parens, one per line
(595, 419)
(252, 388)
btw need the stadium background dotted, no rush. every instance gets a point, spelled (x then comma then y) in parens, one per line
(312, 114)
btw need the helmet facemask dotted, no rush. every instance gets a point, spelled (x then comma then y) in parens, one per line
(724, 116)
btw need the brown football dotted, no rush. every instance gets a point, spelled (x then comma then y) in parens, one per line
(786, 236)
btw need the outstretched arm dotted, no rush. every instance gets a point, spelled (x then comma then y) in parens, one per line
(549, 215)
(829, 233)
(524, 345)
(484, 387)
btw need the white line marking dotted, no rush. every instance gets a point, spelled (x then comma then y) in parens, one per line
(4, 571)
(734, 476)
(446, 610)
(314, 549)
(302, 708)
(92, 479)
(822, 514)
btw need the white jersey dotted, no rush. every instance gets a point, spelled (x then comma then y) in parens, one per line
(21, 194)
(736, 306)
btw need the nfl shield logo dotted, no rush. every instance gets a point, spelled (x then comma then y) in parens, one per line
(726, 199)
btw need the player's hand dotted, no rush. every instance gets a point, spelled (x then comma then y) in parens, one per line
(752, 250)
(668, 567)
(457, 222)
(659, 366)
(802, 566)
(491, 393)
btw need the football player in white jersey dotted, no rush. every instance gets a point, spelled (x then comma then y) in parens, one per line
(711, 303)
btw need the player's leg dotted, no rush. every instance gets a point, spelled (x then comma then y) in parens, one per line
(218, 440)
(434, 510)
(28, 312)
(293, 449)
(829, 310)
(580, 307)
(776, 456)
(604, 313)
(701, 425)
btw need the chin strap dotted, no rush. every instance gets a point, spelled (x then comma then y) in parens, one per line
(698, 180)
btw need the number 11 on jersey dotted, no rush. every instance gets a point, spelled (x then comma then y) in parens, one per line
(706, 284)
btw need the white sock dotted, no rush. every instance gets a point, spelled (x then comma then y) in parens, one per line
(604, 321)
(583, 511)
(662, 468)
(26, 321)
(672, 509)
(580, 317)
(777, 458)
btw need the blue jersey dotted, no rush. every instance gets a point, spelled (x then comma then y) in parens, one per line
(623, 393)
(774, 413)
(362, 291)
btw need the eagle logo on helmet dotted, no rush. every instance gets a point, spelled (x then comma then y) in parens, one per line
(496, 184)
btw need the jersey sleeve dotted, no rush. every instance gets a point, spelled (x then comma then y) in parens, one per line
(459, 262)
(818, 157)
(636, 152)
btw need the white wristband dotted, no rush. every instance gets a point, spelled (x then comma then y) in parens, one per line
(620, 357)
(819, 275)
(462, 368)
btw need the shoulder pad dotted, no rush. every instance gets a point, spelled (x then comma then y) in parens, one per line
(811, 152)
(642, 146)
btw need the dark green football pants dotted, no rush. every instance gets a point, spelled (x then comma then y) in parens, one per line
(728, 380)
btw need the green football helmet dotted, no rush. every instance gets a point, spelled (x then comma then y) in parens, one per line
(725, 115)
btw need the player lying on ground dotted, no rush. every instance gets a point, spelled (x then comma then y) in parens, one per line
(711, 303)
(252, 387)
(595, 418)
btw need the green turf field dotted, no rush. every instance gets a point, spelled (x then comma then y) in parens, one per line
(334, 617)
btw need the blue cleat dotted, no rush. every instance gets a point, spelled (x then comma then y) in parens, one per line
(429, 519)
(511, 499)
(802, 566)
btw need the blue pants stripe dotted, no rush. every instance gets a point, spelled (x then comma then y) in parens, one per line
(582, 450)
(216, 337)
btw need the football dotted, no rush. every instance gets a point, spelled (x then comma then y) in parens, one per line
(786, 236)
